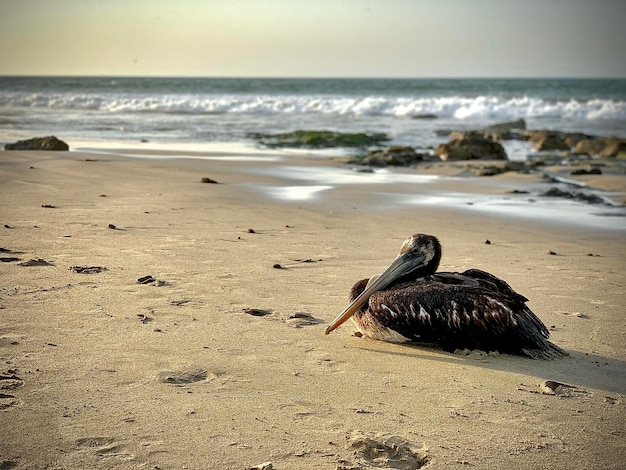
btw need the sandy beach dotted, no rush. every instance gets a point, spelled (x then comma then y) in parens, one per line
(102, 371)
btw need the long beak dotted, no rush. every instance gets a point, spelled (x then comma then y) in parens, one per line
(398, 266)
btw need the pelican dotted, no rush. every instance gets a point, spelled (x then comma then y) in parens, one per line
(410, 301)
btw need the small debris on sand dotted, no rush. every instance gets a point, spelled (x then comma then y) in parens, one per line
(183, 377)
(552, 387)
(88, 269)
(257, 312)
(251, 230)
(144, 318)
(112, 227)
(383, 451)
(48, 206)
(150, 280)
(208, 180)
(261, 466)
(278, 266)
(36, 262)
(300, 319)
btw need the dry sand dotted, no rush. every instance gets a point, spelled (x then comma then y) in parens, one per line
(100, 371)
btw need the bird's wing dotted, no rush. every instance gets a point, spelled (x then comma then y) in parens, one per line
(459, 314)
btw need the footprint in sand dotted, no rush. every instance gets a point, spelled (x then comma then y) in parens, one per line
(9, 381)
(99, 445)
(185, 377)
(373, 450)
(7, 401)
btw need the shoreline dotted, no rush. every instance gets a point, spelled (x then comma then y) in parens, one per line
(101, 371)
(308, 176)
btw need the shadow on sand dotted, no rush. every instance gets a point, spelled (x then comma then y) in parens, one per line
(578, 369)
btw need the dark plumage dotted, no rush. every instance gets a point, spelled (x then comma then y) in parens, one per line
(410, 301)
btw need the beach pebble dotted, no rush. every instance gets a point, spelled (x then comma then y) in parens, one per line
(208, 180)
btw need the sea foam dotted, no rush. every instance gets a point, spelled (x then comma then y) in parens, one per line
(456, 107)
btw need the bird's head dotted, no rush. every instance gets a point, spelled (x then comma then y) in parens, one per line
(419, 256)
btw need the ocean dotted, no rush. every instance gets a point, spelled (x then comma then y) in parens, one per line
(199, 112)
(111, 114)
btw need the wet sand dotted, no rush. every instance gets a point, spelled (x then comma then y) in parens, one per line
(102, 371)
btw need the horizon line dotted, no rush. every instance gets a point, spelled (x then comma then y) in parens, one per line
(302, 77)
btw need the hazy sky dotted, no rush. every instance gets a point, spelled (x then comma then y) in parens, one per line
(314, 38)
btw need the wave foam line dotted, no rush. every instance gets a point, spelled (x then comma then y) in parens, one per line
(449, 107)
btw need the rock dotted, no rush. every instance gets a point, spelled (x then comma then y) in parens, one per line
(489, 170)
(585, 171)
(458, 135)
(613, 147)
(471, 148)
(424, 116)
(576, 195)
(506, 126)
(320, 139)
(39, 143)
(573, 138)
(551, 142)
(590, 146)
(394, 156)
(537, 135)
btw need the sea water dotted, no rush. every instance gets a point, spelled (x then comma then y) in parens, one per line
(101, 113)
(197, 111)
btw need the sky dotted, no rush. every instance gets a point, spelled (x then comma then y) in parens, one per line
(314, 38)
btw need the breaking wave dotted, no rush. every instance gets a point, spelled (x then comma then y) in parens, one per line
(456, 107)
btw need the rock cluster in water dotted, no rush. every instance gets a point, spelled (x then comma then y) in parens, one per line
(543, 140)
(316, 139)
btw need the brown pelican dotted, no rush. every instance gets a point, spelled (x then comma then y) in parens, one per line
(410, 301)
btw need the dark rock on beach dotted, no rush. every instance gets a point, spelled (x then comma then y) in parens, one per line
(320, 139)
(39, 143)
(208, 180)
(576, 195)
(470, 148)
(392, 156)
